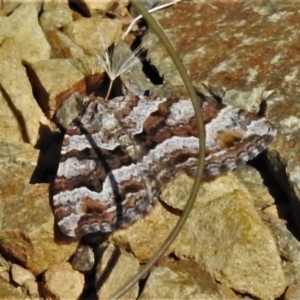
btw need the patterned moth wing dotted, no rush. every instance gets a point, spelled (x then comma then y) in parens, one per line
(165, 130)
(100, 185)
(116, 155)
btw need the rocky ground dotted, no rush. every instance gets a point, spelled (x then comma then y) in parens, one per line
(241, 239)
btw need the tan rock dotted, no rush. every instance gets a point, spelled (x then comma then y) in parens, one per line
(101, 7)
(37, 249)
(4, 28)
(28, 224)
(146, 236)
(62, 46)
(101, 33)
(226, 236)
(223, 233)
(62, 282)
(4, 264)
(32, 288)
(53, 77)
(249, 100)
(272, 211)
(293, 292)
(20, 114)
(288, 246)
(8, 7)
(20, 275)
(25, 30)
(9, 292)
(184, 280)
(252, 180)
(4, 274)
(177, 191)
(1, 212)
(121, 266)
(55, 15)
(4, 269)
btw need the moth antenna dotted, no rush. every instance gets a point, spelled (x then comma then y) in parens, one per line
(150, 11)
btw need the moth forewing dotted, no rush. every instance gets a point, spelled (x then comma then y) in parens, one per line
(100, 185)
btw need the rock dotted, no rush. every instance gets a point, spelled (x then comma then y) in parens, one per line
(133, 79)
(101, 32)
(4, 264)
(62, 282)
(1, 212)
(175, 193)
(141, 237)
(102, 7)
(54, 81)
(282, 211)
(4, 274)
(183, 280)
(284, 163)
(4, 28)
(116, 266)
(283, 153)
(32, 288)
(21, 275)
(254, 184)
(24, 278)
(227, 58)
(293, 292)
(227, 238)
(8, 7)
(68, 111)
(83, 259)
(4, 269)
(62, 46)
(9, 292)
(25, 30)
(289, 248)
(223, 233)
(27, 229)
(248, 100)
(55, 15)
(17, 102)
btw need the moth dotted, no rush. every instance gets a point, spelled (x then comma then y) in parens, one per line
(117, 154)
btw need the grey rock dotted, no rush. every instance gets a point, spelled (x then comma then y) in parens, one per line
(83, 259)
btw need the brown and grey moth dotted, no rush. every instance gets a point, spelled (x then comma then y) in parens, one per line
(117, 154)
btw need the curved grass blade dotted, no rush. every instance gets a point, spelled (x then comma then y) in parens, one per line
(201, 133)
